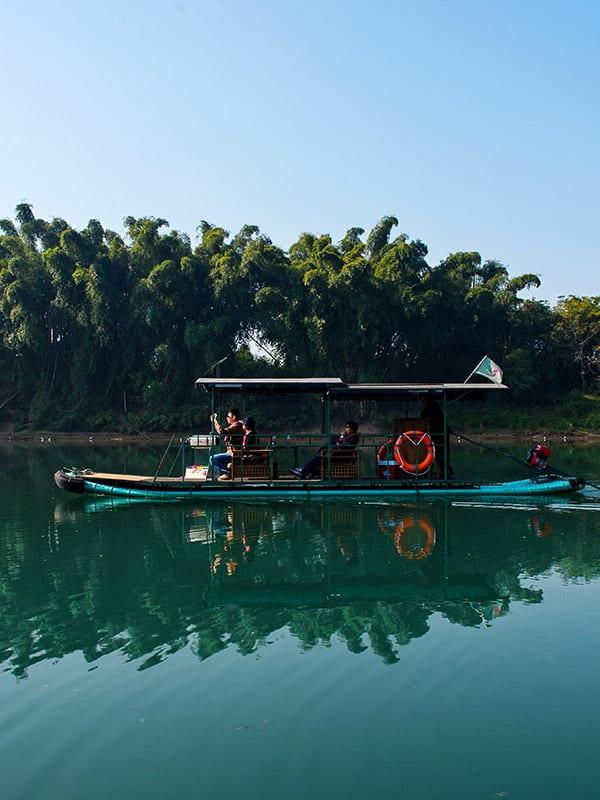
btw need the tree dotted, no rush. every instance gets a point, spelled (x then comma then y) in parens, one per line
(578, 329)
(88, 317)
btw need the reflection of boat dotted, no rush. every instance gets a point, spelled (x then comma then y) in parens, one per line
(236, 575)
(244, 548)
(94, 503)
(414, 536)
(338, 592)
(357, 471)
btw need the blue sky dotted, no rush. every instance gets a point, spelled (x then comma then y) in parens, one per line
(476, 124)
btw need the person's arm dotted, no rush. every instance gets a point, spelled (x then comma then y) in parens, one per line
(349, 440)
(216, 424)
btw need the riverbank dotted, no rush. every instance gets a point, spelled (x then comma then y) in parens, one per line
(156, 439)
(575, 418)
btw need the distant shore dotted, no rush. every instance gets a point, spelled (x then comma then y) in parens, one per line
(161, 438)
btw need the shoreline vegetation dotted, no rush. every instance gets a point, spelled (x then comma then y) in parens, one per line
(576, 419)
(548, 426)
(106, 332)
(111, 438)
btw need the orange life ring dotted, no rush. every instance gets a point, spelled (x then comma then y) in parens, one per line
(385, 451)
(414, 552)
(416, 439)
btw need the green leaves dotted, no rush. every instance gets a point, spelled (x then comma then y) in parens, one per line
(577, 328)
(89, 316)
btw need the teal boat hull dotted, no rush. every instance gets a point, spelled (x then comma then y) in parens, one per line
(178, 490)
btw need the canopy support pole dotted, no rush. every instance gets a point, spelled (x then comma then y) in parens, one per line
(326, 428)
(213, 431)
(446, 438)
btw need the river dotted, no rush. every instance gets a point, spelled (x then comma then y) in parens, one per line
(292, 650)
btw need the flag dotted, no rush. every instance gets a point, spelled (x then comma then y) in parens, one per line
(489, 369)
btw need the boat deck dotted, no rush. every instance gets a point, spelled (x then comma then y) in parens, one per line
(282, 481)
(172, 488)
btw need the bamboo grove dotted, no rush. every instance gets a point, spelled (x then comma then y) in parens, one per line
(95, 325)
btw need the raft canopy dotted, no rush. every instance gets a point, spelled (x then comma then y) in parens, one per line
(381, 391)
(271, 385)
(337, 388)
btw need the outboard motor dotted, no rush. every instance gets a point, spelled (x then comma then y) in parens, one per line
(538, 455)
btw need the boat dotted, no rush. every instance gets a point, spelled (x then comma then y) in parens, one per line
(381, 466)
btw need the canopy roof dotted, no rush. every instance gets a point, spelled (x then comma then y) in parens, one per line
(337, 388)
(270, 385)
(382, 391)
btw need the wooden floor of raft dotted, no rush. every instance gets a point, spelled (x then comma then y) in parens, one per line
(100, 476)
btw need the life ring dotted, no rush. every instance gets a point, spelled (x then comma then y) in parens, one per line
(419, 551)
(385, 451)
(415, 439)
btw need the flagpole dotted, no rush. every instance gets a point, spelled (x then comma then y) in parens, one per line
(470, 375)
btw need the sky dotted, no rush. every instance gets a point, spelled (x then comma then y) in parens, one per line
(476, 124)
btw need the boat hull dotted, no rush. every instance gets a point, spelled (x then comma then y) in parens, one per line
(149, 489)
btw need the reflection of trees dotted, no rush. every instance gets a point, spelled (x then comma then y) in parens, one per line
(385, 625)
(142, 579)
(580, 557)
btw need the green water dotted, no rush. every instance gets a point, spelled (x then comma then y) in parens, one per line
(317, 649)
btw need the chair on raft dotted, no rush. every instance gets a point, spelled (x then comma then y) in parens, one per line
(254, 463)
(343, 462)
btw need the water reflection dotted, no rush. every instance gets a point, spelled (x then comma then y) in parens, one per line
(148, 580)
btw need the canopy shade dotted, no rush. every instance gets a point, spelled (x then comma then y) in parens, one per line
(270, 385)
(374, 391)
(338, 389)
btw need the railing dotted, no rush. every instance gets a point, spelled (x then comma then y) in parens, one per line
(275, 455)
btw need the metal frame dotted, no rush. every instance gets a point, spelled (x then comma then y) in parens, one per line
(331, 389)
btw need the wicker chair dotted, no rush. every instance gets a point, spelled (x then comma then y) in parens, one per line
(345, 463)
(253, 464)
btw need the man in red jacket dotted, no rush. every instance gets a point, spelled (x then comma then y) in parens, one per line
(231, 435)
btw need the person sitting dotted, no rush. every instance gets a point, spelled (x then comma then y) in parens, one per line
(249, 439)
(248, 443)
(349, 437)
(231, 435)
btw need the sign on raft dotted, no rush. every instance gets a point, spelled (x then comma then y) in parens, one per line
(196, 473)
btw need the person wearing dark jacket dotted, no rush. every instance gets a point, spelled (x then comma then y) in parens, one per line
(249, 439)
(349, 437)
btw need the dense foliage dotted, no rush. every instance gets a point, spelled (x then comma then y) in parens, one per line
(94, 326)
